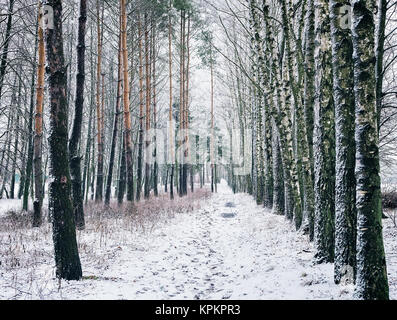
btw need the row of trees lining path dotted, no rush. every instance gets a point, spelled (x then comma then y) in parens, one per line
(309, 77)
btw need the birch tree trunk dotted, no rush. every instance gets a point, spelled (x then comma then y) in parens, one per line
(345, 192)
(371, 283)
(324, 147)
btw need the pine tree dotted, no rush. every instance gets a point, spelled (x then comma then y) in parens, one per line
(38, 137)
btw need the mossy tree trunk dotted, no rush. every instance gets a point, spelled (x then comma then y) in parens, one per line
(67, 259)
(345, 192)
(324, 138)
(371, 282)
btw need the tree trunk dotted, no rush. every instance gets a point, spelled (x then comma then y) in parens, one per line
(7, 38)
(67, 259)
(29, 163)
(345, 192)
(117, 113)
(380, 49)
(148, 95)
(154, 76)
(372, 283)
(141, 113)
(309, 79)
(38, 137)
(170, 116)
(100, 115)
(324, 148)
(75, 158)
(16, 145)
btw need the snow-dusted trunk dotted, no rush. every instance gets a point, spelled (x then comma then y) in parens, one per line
(259, 98)
(309, 78)
(75, 158)
(324, 138)
(380, 49)
(293, 192)
(268, 154)
(306, 221)
(345, 192)
(278, 182)
(60, 204)
(372, 283)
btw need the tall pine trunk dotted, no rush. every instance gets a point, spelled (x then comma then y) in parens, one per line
(170, 115)
(126, 105)
(38, 137)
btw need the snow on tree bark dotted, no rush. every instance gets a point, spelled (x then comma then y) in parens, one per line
(60, 203)
(324, 138)
(345, 192)
(309, 78)
(75, 158)
(293, 191)
(371, 282)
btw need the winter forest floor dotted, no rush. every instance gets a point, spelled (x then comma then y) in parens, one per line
(227, 247)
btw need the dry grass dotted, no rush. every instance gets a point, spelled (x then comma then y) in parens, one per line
(26, 254)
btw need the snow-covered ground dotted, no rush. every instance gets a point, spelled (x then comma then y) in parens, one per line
(230, 248)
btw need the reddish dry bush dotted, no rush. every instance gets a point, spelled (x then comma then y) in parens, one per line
(146, 213)
(19, 220)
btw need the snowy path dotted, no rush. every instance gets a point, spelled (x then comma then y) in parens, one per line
(203, 255)
(229, 249)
